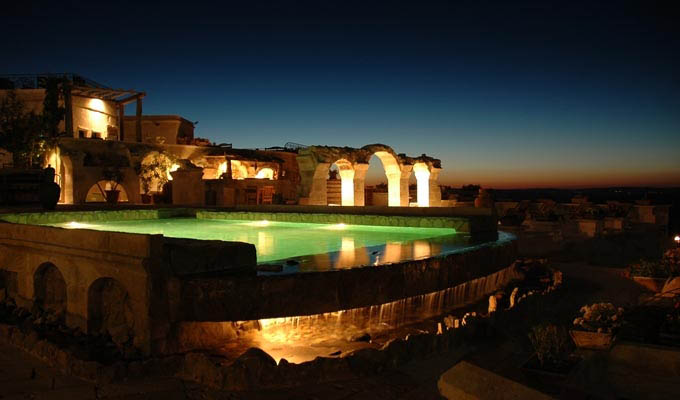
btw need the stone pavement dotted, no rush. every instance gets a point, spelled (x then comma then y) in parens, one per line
(25, 377)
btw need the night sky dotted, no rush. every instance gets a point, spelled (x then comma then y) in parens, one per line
(506, 95)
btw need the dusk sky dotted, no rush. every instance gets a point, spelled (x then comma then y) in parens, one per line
(506, 95)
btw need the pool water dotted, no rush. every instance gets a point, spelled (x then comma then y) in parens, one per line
(313, 247)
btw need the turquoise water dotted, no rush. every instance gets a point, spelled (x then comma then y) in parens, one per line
(314, 246)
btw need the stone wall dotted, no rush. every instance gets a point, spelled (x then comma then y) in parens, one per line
(56, 217)
(257, 297)
(159, 129)
(95, 266)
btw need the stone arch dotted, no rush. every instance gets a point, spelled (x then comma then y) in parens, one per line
(393, 173)
(109, 310)
(97, 192)
(49, 289)
(397, 174)
(315, 161)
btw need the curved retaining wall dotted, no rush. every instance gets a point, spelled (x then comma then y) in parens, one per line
(459, 224)
(250, 298)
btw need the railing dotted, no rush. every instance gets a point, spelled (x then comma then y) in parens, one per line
(39, 81)
(294, 146)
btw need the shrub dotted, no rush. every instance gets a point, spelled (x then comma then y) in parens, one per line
(667, 266)
(551, 344)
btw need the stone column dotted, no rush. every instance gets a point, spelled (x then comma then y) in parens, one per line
(188, 188)
(360, 184)
(435, 190)
(318, 196)
(307, 169)
(403, 184)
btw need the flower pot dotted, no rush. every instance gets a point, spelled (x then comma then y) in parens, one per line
(592, 340)
(652, 284)
(49, 195)
(112, 196)
(548, 374)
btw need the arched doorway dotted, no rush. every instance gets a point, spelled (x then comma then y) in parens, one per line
(49, 289)
(109, 310)
(97, 192)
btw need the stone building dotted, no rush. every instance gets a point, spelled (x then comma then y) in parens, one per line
(161, 129)
(153, 154)
(93, 110)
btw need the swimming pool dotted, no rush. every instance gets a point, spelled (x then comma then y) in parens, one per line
(302, 247)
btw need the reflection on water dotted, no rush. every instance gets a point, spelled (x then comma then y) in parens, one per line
(265, 243)
(421, 249)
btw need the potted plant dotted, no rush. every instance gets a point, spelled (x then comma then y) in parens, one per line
(655, 274)
(597, 326)
(114, 177)
(552, 352)
(154, 169)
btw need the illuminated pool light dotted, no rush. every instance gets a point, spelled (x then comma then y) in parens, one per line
(337, 227)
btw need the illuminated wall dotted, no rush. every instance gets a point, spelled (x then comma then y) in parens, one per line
(238, 170)
(95, 117)
(159, 129)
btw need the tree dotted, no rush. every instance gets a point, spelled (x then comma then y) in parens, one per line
(20, 131)
(29, 136)
(53, 113)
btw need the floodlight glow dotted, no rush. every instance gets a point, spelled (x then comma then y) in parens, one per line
(265, 173)
(173, 168)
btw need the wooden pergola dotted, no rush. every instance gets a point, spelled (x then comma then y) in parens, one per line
(121, 97)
